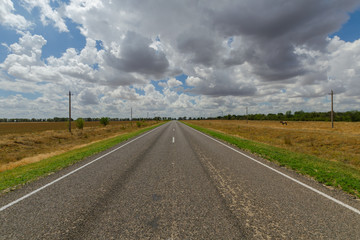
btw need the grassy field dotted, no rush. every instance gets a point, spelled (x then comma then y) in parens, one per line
(35, 127)
(25, 143)
(340, 144)
(331, 156)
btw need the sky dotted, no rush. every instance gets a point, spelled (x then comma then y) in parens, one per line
(194, 58)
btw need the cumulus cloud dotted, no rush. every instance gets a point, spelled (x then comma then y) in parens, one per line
(24, 57)
(272, 29)
(270, 55)
(221, 83)
(47, 13)
(8, 18)
(193, 81)
(199, 45)
(174, 83)
(136, 55)
(171, 83)
(88, 97)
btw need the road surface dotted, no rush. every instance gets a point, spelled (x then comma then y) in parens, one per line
(176, 183)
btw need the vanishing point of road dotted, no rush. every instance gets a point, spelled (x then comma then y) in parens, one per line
(176, 183)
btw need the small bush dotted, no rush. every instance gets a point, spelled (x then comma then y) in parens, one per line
(138, 124)
(80, 123)
(104, 121)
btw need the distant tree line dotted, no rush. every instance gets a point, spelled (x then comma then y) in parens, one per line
(350, 116)
(88, 119)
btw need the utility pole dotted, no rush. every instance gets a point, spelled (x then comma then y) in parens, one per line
(131, 114)
(332, 109)
(246, 114)
(70, 111)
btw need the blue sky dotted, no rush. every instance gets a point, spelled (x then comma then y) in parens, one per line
(177, 62)
(350, 31)
(57, 42)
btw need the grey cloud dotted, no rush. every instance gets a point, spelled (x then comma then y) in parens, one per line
(199, 45)
(272, 30)
(137, 56)
(299, 21)
(229, 91)
(88, 97)
(194, 31)
(154, 104)
(221, 84)
(115, 77)
(276, 62)
(238, 56)
(313, 78)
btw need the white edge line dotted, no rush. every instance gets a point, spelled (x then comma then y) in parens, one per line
(72, 172)
(288, 177)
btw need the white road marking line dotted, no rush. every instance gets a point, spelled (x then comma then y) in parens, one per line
(173, 140)
(70, 173)
(288, 177)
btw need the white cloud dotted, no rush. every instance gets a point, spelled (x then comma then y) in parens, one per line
(193, 81)
(24, 57)
(282, 61)
(171, 83)
(8, 18)
(47, 14)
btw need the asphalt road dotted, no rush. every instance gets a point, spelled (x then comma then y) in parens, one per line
(176, 183)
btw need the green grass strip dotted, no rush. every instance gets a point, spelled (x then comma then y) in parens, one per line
(18, 176)
(330, 173)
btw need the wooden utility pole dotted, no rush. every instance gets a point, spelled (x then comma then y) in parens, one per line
(332, 109)
(246, 114)
(70, 111)
(131, 114)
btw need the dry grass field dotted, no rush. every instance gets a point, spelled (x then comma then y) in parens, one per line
(342, 143)
(23, 143)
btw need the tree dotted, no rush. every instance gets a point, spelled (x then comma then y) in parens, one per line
(104, 121)
(288, 114)
(80, 123)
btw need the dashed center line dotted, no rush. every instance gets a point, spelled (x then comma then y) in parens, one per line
(173, 140)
